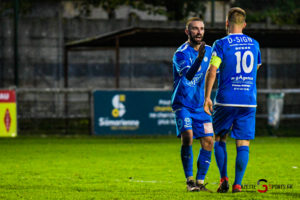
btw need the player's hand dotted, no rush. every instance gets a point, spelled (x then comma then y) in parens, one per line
(201, 51)
(208, 106)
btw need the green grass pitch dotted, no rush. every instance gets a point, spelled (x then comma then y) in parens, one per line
(135, 168)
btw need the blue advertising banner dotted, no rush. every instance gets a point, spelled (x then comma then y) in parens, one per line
(133, 112)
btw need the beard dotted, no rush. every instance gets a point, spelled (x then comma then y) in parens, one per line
(196, 39)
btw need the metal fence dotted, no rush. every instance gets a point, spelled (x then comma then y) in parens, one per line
(69, 111)
(54, 111)
(291, 106)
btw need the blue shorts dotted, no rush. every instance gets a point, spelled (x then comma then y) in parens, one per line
(240, 119)
(199, 122)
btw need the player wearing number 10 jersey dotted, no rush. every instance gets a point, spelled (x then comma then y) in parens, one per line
(237, 56)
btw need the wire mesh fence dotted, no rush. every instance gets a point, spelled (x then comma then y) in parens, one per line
(69, 111)
(54, 111)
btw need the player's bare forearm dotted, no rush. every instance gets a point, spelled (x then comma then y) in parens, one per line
(210, 80)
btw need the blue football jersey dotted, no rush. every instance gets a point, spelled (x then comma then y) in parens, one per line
(187, 93)
(239, 55)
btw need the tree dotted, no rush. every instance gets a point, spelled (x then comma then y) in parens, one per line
(278, 11)
(6, 7)
(109, 6)
(173, 9)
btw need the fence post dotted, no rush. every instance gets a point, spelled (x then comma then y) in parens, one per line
(91, 107)
(66, 112)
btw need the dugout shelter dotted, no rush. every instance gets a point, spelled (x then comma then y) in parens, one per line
(170, 37)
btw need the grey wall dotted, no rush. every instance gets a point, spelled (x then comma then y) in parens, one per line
(40, 54)
(41, 51)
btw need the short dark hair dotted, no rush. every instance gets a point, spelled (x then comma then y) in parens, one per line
(188, 22)
(236, 15)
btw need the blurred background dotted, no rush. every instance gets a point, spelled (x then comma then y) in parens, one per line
(55, 53)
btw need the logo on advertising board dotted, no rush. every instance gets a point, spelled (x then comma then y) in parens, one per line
(133, 112)
(7, 120)
(118, 111)
(119, 108)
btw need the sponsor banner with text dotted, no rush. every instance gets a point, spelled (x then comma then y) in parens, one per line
(133, 112)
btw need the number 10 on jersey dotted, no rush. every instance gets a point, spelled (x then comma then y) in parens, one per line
(243, 58)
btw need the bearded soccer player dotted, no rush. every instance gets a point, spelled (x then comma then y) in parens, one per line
(190, 63)
(237, 57)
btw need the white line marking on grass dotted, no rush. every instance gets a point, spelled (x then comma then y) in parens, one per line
(155, 181)
(295, 167)
(151, 181)
(142, 181)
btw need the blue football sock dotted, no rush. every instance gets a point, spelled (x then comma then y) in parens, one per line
(221, 158)
(187, 160)
(241, 162)
(203, 163)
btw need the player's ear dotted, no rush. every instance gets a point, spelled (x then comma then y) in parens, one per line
(227, 23)
(186, 32)
(245, 24)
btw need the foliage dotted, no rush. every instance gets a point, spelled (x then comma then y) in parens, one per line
(108, 5)
(278, 11)
(6, 7)
(179, 9)
(173, 9)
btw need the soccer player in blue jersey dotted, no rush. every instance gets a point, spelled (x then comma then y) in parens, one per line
(237, 56)
(190, 63)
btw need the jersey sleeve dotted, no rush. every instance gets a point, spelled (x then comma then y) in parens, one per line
(217, 54)
(258, 57)
(181, 63)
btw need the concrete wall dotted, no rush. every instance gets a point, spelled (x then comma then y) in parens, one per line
(40, 53)
(41, 43)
